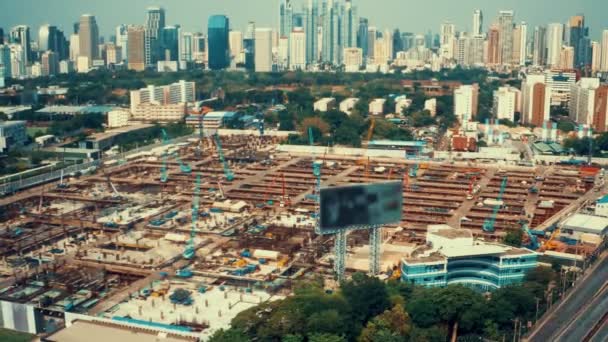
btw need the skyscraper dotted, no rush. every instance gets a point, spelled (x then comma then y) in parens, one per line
(155, 22)
(52, 39)
(477, 22)
(520, 43)
(249, 46)
(21, 35)
(505, 27)
(493, 57)
(540, 46)
(236, 46)
(448, 31)
(362, 39)
(350, 22)
(536, 98)
(49, 63)
(136, 47)
(596, 56)
(5, 60)
(285, 18)
(263, 50)
(219, 52)
(169, 43)
(579, 40)
(1, 36)
(185, 47)
(555, 35)
(88, 38)
(122, 39)
(331, 32)
(604, 63)
(312, 15)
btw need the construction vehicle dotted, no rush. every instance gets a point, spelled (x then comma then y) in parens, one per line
(190, 250)
(488, 224)
(61, 184)
(227, 172)
(532, 239)
(551, 243)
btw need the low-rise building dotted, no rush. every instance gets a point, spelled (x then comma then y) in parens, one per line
(105, 140)
(118, 118)
(376, 107)
(325, 104)
(348, 104)
(453, 256)
(578, 224)
(148, 112)
(12, 134)
(401, 103)
(431, 106)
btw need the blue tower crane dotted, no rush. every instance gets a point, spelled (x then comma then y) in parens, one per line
(488, 224)
(227, 172)
(533, 240)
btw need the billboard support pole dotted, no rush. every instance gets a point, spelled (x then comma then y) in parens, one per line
(340, 254)
(375, 235)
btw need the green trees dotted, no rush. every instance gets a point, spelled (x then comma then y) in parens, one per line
(514, 238)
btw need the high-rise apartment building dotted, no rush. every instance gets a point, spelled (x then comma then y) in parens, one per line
(536, 100)
(539, 49)
(520, 44)
(136, 48)
(477, 23)
(122, 38)
(88, 38)
(555, 39)
(494, 50)
(567, 58)
(600, 112)
(582, 100)
(604, 63)
(579, 40)
(505, 103)
(263, 50)
(505, 27)
(448, 39)
(559, 84)
(596, 56)
(297, 49)
(312, 42)
(218, 37)
(466, 101)
(236, 46)
(155, 22)
(49, 62)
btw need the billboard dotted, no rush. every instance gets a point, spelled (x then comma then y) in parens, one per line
(360, 206)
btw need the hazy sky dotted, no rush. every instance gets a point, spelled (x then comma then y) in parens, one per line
(416, 16)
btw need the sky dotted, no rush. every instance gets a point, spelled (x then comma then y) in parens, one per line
(416, 16)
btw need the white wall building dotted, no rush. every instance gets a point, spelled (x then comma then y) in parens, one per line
(536, 100)
(235, 39)
(118, 118)
(555, 38)
(297, 49)
(431, 106)
(353, 59)
(582, 100)
(505, 103)
(348, 104)
(466, 98)
(263, 50)
(559, 84)
(376, 106)
(324, 104)
(179, 92)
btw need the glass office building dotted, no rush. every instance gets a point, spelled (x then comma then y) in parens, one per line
(219, 50)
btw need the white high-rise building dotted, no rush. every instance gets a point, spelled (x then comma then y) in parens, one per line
(5, 61)
(297, 49)
(235, 39)
(18, 60)
(176, 93)
(604, 63)
(582, 100)
(536, 100)
(447, 40)
(559, 84)
(263, 50)
(122, 40)
(505, 103)
(596, 56)
(522, 44)
(477, 22)
(505, 29)
(466, 99)
(74, 47)
(555, 37)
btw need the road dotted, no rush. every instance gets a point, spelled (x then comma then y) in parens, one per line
(575, 315)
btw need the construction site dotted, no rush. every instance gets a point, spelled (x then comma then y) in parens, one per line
(185, 236)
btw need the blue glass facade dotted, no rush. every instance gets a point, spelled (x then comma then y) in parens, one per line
(219, 52)
(486, 272)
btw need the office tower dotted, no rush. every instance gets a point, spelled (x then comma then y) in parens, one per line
(1, 36)
(362, 38)
(5, 61)
(578, 39)
(122, 39)
(155, 21)
(312, 17)
(21, 35)
(476, 50)
(397, 43)
(520, 42)
(74, 47)
(382, 53)
(297, 49)
(582, 100)
(49, 63)
(536, 100)
(477, 23)
(494, 50)
(353, 59)
(555, 36)
(448, 36)
(505, 27)
(596, 56)
(18, 60)
(372, 34)
(88, 38)
(169, 43)
(263, 50)
(567, 58)
(539, 49)
(219, 53)
(466, 100)
(505, 103)
(200, 49)
(185, 47)
(285, 18)
(350, 21)
(52, 39)
(136, 47)
(462, 55)
(113, 54)
(236, 46)
(331, 32)
(604, 63)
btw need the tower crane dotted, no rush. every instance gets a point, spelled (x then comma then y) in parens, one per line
(189, 251)
(185, 168)
(488, 224)
(227, 172)
(533, 240)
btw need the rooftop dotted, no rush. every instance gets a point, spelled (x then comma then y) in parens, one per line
(586, 222)
(101, 332)
(114, 132)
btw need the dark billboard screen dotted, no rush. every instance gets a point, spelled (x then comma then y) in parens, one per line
(360, 206)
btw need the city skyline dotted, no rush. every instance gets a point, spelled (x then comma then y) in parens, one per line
(394, 14)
